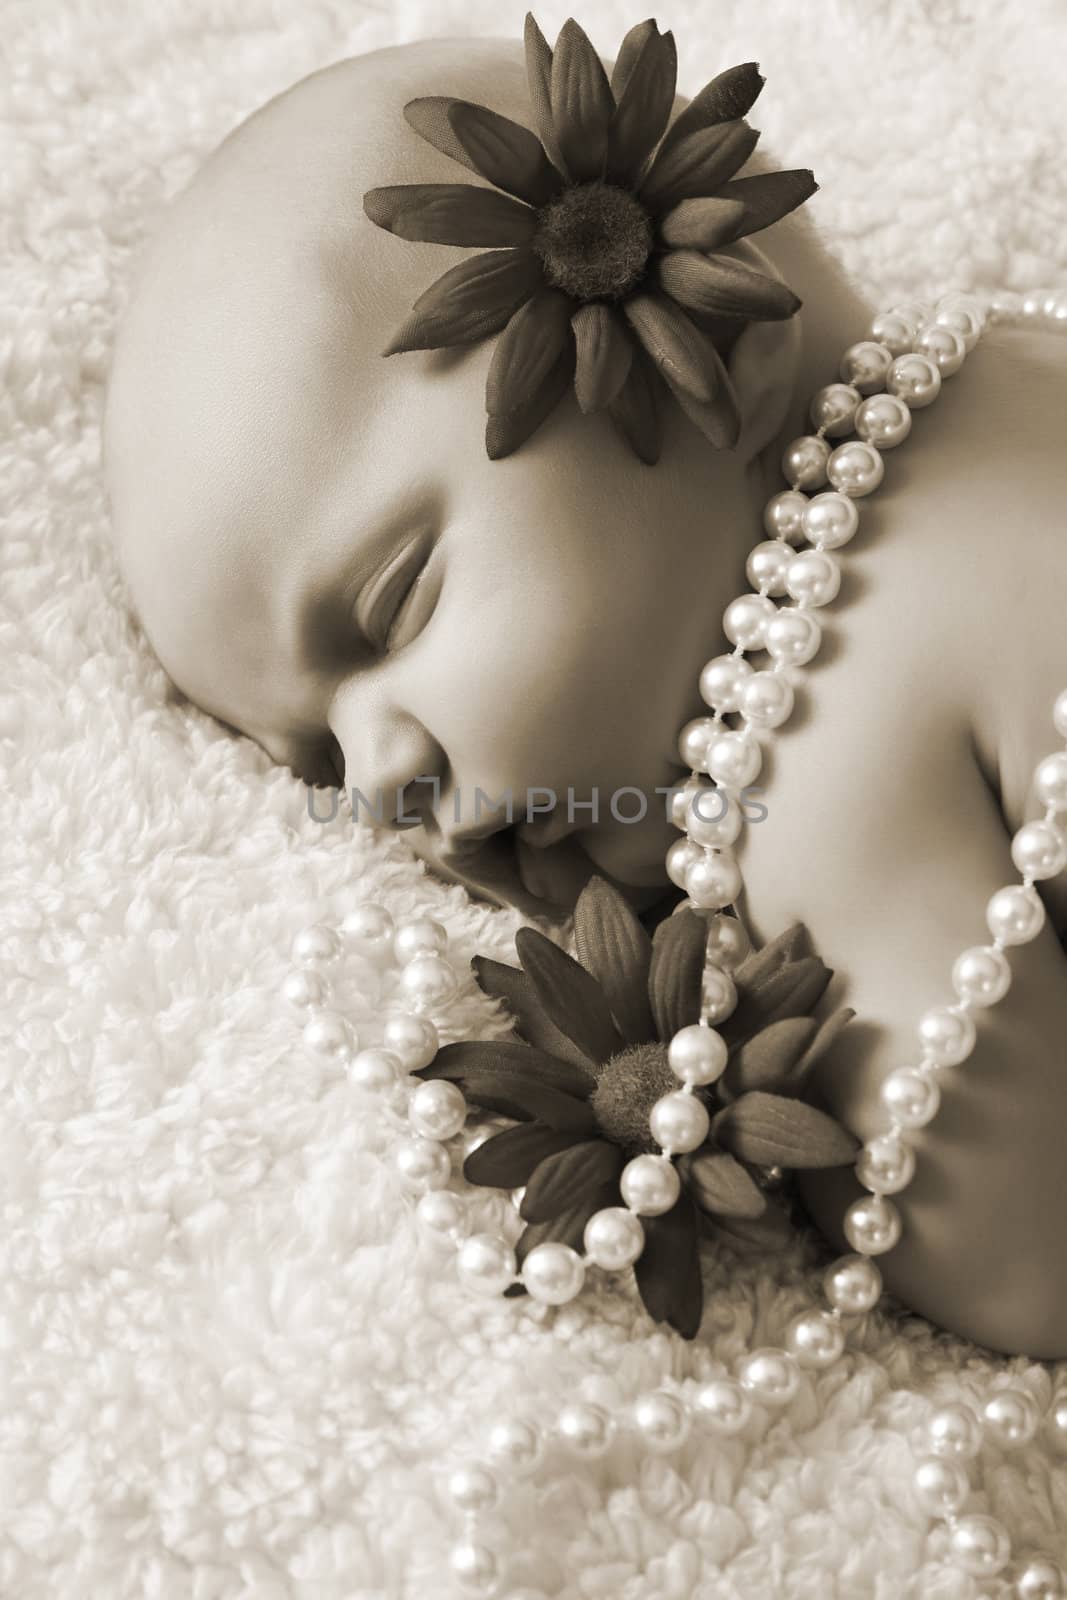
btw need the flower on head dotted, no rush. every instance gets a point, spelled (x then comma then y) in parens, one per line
(605, 263)
(590, 1062)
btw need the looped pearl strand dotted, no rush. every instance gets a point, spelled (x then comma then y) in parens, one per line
(883, 379)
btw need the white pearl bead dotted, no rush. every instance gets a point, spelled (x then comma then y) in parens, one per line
(1012, 1416)
(697, 1055)
(883, 420)
(916, 379)
(553, 1273)
(714, 881)
(1059, 714)
(679, 1122)
(371, 925)
(375, 1069)
(428, 981)
(941, 1487)
(586, 1428)
(1039, 850)
(734, 760)
(980, 1545)
(793, 637)
(485, 1262)
(782, 514)
(912, 1098)
(855, 468)
(766, 564)
(872, 1225)
(947, 1036)
(442, 1212)
(853, 1284)
(1050, 780)
(815, 1339)
(722, 680)
(886, 1164)
(613, 1238)
(813, 578)
(804, 461)
(767, 699)
(1015, 914)
(421, 936)
(831, 520)
(714, 819)
(422, 1164)
(437, 1109)
(718, 994)
(414, 1039)
(942, 346)
(682, 855)
(685, 796)
(694, 739)
(864, 365)
(516, 1444)
(916, 311)
(1041, 1578)
(305, 989)
(474, 1566)
(895, 331)
(833, 408)
(314, 944)
(661, 1421)
(1056, 1424)
(649, 1185)
(960, 321)
(727, 943)
(330, 1035)
(954, 1432)
(723, 1406)
(981, 975)
(745, 620)
(472, 1488)
(770, 1376)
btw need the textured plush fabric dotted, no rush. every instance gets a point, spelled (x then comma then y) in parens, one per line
(230, 1368)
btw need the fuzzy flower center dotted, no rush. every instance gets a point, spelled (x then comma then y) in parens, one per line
(593, 240)
(628, 1088)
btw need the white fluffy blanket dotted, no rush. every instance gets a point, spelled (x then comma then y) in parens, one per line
(231, 1367)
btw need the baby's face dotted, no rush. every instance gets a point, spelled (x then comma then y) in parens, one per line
(324, 557)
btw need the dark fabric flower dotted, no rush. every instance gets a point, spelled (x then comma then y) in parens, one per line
(590, 1061)
(602, 266)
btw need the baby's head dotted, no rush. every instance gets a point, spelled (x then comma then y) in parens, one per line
(323, 556)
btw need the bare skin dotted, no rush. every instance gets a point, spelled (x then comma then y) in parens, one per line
(260, 452)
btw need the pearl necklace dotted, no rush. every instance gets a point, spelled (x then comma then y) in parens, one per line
(899, 368)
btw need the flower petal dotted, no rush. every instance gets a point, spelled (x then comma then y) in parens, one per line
(674, 978)
(450, 213)
(766, 196)
(564, 1179)
(505, 432)
(539, 83)
(668, 1268)
(683, 354)
(824, 1038)
(721, 286)
(582, 103)
(767, 1059)
(494, 147)
(759, 964)
(614, 947)
(629, 54)
(568, 1228)
(470, 301)
(635, 410)
(506, 1160)
(515, 1094)
(702, 223)
(527, 350)
(719, 419)
(730, 95)
(719, 1183)
(793, 991)
(772, 1231)
(644, 106)
(505, 1055)
(774, 1129)
(603, 354)
(571, 996)
(511, 985)
(696, 165)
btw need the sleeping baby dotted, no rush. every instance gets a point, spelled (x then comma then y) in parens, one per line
(496, 655)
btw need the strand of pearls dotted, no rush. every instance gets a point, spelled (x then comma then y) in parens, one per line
(898, 369)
